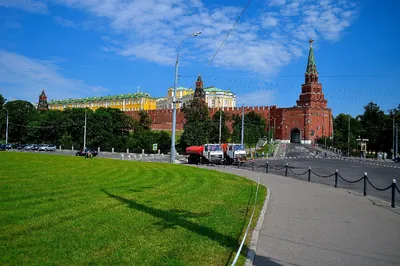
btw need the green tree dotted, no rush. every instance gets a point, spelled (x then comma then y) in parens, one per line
(341, 132)
(21, 113)
(198, 124)
(2, 101)
(144, 122)
(214, 133)
(254, 128)
(373, 124)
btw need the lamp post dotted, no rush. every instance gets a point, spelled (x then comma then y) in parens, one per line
(6, 126)
(84, 132)
(173, 152)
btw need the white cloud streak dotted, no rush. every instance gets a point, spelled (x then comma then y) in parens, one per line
(23, 77)
(262, 42)
(33, 6)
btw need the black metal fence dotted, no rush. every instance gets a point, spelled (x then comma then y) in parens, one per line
(393, 186)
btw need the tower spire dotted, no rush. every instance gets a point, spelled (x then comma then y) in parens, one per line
(311, 74)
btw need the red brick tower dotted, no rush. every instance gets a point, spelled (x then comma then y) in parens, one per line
(199, 92)
(42, 105)
(311, 91)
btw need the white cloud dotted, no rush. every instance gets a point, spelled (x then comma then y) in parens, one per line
(33, 6)
(23, 77)
(269, 21)
(152, 29)
(259, 97)
(261, 42)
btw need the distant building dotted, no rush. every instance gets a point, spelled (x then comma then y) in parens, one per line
(125, 102)
(305, 122)
(213, 96)
(42, 104)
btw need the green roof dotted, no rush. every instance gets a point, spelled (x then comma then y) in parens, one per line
(137, 95)
(311, 65)
(213, 89)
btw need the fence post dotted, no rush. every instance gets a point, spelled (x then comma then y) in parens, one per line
(336, 176)
(365, 183)
(266, 168)
(252, 166)
(286, 169)
(394, 193)
(309, 174)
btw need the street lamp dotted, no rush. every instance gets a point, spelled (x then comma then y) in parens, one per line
(173, 152)
(6, 126)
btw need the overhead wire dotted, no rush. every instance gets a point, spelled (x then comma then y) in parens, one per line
(237, 20)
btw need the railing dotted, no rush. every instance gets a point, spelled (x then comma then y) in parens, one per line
(393, 186)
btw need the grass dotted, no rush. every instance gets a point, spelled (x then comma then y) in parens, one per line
(68, 210)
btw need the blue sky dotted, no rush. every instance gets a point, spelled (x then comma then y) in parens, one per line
(80, 48)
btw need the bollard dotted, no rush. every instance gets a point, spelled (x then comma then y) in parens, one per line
(394, 193)
(336, 176)
(252, 166)
(72, 147)
(238, 164)
(112, 150)
(98, 149)
(122, 156)
(286, 169)
(60, 148)
(365, 183)
(309, 174)
(266, 168)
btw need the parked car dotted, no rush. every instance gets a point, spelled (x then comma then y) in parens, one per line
(8, 146)
(85, 151)
(397, 159)
(35, 147)
(42, 147)
(29, 146)
(50, 147)
(3, 147)
(21, 146)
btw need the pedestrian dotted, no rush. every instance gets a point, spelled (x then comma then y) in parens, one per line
(325, 154)
(262, 154)
(384, 156)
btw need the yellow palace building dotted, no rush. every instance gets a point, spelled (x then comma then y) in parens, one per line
(124, 102)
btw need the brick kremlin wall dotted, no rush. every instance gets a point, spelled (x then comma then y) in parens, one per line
(162, 119)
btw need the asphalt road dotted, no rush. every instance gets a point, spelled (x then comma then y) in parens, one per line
(300, 157)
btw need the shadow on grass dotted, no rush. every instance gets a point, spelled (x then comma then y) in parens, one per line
(172, 218)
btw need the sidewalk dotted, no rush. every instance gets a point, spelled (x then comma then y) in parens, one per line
(312, 224)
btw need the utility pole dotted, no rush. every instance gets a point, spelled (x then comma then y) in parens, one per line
(84, 132)
(397, 140)
(6, 127)
(269, 125)
(220, 124)
(242, 139)
(348, 139)
(394, 136)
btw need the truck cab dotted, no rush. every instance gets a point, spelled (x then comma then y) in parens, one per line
(213, 153)
(235, 153)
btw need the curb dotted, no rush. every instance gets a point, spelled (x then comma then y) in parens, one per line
(251, 254)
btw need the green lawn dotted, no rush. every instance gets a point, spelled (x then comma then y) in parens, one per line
(67, 210)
